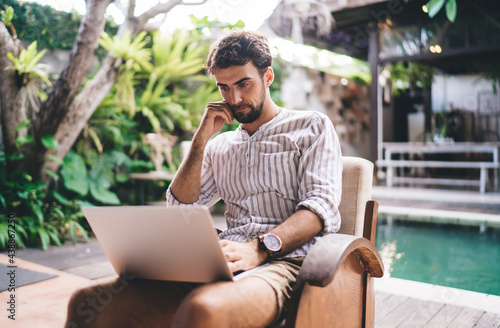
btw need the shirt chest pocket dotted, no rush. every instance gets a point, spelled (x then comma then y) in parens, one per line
(278, 173)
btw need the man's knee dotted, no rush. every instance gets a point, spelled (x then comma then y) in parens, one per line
(82, 308)
(87, 304)
(203, 306)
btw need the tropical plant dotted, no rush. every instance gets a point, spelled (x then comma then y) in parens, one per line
(6, 18)
(410, 75)
(175, 57)
(97, 181)
(32, 77)
(178, 56)
(432, 7)
(41, 218)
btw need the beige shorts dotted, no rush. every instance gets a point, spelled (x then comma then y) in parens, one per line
(281, 275)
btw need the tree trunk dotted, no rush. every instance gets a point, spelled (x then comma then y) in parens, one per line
(10, 95)
(59, 106)
(82, 109)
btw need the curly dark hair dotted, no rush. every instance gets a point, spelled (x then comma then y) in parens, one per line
(238, 48)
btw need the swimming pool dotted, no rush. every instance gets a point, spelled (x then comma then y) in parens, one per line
(441, 254)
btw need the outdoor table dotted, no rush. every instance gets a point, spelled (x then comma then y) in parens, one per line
(153, 175)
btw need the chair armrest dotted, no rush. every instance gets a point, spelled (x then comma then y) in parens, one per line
(327, 255)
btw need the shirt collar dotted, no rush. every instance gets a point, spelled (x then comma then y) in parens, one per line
(263, 127)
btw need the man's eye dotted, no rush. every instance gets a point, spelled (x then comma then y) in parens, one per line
(223, 88)
(244, 85)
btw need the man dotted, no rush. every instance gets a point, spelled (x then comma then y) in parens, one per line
(280, 176)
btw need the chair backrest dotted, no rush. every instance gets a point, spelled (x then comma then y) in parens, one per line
(357, 179)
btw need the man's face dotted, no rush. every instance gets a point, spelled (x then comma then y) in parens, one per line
(244, 91)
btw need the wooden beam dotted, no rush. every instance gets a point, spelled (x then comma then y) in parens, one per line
(443, 55)
(373, 58)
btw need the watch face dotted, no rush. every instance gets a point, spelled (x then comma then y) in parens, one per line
(272, 242)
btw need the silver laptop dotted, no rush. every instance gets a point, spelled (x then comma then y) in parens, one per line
(177, 243)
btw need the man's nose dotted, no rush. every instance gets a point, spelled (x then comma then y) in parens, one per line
(236, 97)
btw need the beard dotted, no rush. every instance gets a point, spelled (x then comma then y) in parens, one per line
(254, 111)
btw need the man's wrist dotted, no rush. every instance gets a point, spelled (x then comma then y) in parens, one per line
(262, 254)
(271, 244)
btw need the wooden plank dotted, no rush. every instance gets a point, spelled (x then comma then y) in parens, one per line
(466, 318)
(46, 300)
(404, 313)
(29, 315)
(423, 313)
(443, 318)
(380, 296)
(488, 320)
(387, 306)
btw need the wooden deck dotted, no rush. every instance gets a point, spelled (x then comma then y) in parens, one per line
(404, 311)
(43, 304)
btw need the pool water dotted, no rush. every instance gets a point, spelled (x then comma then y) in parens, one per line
(441, 254)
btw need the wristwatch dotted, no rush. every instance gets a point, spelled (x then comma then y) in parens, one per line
(271, 244)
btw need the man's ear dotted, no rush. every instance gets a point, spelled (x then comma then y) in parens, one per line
(269, 76)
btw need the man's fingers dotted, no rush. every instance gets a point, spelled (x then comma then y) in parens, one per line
(232, 256)
(234, 266)
(220, 109)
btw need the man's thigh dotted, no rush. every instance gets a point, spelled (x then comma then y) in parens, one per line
(249, 302)
(127, 303)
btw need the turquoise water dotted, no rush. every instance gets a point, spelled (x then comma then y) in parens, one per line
(442, 254)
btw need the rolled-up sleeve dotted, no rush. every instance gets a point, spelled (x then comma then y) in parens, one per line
(320, 174)
(209, 194)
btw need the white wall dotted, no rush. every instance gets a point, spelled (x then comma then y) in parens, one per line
(459, 90)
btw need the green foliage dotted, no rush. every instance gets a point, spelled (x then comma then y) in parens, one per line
(410, 75)
(27, 64)
(202, 24)
(133, 52)
(195, 97)
(148, 82)
(178, 56)
(44, 216)
(52, 29)
(7, 15)
(31, 75)
(435, 6)
(97, 180)
(40, 219)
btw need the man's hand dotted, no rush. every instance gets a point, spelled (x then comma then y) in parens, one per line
(216, 114)
(243, 256)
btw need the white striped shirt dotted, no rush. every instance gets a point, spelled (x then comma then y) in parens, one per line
(292, 161)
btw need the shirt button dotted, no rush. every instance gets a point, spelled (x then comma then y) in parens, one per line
(249, 165)
(254, 213)
(253, 192)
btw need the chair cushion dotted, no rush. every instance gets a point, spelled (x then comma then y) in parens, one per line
(357, 179)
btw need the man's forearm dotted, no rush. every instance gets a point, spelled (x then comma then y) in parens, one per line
(298, 229)
(187, 182)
